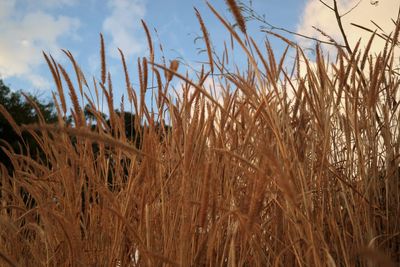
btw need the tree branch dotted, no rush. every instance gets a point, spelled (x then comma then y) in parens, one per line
(339, 21)
(325, 4)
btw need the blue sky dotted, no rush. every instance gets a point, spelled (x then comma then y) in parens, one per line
(29, 26)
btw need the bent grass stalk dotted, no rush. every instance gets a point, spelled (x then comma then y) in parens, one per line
(256, 177)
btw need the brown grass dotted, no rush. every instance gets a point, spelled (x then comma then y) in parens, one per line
(237, 14)
(282, 170)
(103, 59)
(206, 39)
(149, 41)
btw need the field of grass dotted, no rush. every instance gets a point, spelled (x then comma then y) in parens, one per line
(264, 166)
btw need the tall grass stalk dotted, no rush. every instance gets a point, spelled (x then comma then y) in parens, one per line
(282, 169)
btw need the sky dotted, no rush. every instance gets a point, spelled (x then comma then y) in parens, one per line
(28, 27)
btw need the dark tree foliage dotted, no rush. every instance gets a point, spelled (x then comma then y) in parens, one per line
(23, 113)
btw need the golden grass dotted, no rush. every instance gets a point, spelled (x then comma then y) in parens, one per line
(237, 14)
(206, 39)
(284, 170)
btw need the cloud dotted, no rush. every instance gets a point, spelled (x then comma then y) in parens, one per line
(38, 81)
(317, 15)
(51, 3)
(24, 35)
(6, 7)
(122, 25)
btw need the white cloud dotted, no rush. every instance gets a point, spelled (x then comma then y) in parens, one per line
(6, 6)
(51, 3)
(317, 15)
(94, 64)
(38, 81)
(122, 25)
(24, 35)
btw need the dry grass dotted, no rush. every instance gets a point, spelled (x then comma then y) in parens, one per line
(284, 170)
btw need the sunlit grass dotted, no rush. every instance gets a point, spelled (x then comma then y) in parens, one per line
(282, 169)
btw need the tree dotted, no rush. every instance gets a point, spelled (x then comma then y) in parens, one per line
(23, 112)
